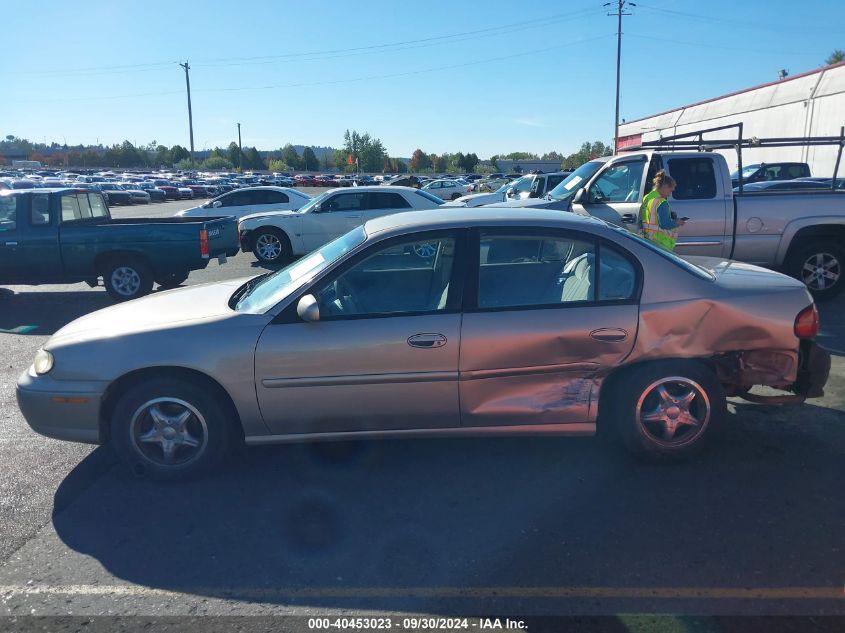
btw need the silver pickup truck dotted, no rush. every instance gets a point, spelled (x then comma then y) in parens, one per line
(799, 232)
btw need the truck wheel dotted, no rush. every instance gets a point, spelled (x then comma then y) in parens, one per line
(820, 266)
(172, 280)
(128, 278)
(668, 409)
(271, 246)
(170, 429)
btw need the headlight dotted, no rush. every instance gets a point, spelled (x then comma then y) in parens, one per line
(43, 362)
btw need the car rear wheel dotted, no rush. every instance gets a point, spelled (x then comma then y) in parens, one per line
(668, 409)
(127, 279)
(271, 246)
(170, 429)
(820, 266)
(455, 196)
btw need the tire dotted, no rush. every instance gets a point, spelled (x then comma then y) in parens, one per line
(820, 265)
(171, 429)
(653, 417)
(127, 278)
(172, 280)
(455, 196)
(271, 246)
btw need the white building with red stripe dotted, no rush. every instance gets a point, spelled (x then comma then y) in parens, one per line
(809, 104)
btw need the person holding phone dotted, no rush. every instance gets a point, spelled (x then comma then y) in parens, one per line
(657, 220)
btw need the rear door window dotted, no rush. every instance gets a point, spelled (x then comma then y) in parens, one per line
(40, 212)
(8, 213)
(70, 208)
(98, 206)
(695, 178)
(386, 200)
(275, 197)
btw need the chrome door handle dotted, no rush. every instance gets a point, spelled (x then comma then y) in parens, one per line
(609, 334)
(427, 340)
(11, 243)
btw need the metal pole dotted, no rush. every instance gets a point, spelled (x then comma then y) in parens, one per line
(620, 6)
(190, 115)
(240, 152)
(838, 156)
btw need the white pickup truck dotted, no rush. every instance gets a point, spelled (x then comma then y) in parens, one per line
(801, 232)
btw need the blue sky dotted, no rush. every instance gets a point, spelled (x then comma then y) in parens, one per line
(486, 77)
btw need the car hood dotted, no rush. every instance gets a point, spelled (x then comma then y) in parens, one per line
(159, 311)
(742, 276)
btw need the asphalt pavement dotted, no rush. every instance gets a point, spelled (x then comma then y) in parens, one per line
(454, 526)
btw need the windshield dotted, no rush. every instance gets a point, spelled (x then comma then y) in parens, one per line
(567, 187)
(279, 285)
(746, 172)
(313, 202)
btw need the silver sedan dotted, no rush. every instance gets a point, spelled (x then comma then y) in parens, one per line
(459, 322)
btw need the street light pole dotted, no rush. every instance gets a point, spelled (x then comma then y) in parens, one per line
(620, 6)
(190, 115)
(240, 152)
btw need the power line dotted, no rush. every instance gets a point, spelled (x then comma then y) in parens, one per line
(719, 46)
(334, 53)
(328, 82)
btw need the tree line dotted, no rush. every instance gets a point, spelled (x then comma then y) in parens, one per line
(359, 152)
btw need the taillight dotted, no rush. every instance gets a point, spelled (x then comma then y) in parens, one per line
(807, 322)
(204, 242)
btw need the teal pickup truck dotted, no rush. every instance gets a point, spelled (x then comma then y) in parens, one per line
(52, 236)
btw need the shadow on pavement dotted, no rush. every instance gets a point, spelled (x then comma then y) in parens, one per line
(43, 313)
(356, 524)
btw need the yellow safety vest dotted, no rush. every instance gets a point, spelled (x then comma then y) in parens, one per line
(665, 238)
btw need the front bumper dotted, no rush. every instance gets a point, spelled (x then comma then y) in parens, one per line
(60, 409)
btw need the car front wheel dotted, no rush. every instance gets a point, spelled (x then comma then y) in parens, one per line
(170, 429)
(668, 409)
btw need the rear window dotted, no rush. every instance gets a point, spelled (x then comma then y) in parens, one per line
(695, 178)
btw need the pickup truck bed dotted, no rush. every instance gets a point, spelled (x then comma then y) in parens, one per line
(68, 235)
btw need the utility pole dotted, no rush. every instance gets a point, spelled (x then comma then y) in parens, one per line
(240, 152)
(190, 115)
(620, 11)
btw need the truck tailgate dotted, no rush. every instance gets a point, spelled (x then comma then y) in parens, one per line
(222, 235)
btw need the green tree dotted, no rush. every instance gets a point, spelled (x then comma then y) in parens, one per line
(309, 160)
(291, 157)
(468, 162)
(179, 153)
(217, 163)
(253, 160)
(275, 165)
(162, 156)
(233, 154)
(835, 57)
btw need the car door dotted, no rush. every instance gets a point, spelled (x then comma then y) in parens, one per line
(544, 312)
(270, 200)
(10, 268)
(698, 197)
(235, 203)
(616, 193)
(383, 354)
(335, 216)
(383, 203)
(39, 253)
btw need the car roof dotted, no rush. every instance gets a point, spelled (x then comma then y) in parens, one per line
(462, 217)
(386, 188)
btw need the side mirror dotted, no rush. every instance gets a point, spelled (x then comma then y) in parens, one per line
(308, 310)
(580, 196)
(217, 204)
(317, 208)
(510, 192)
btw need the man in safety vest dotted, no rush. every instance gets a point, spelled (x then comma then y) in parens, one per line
(658, 223)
